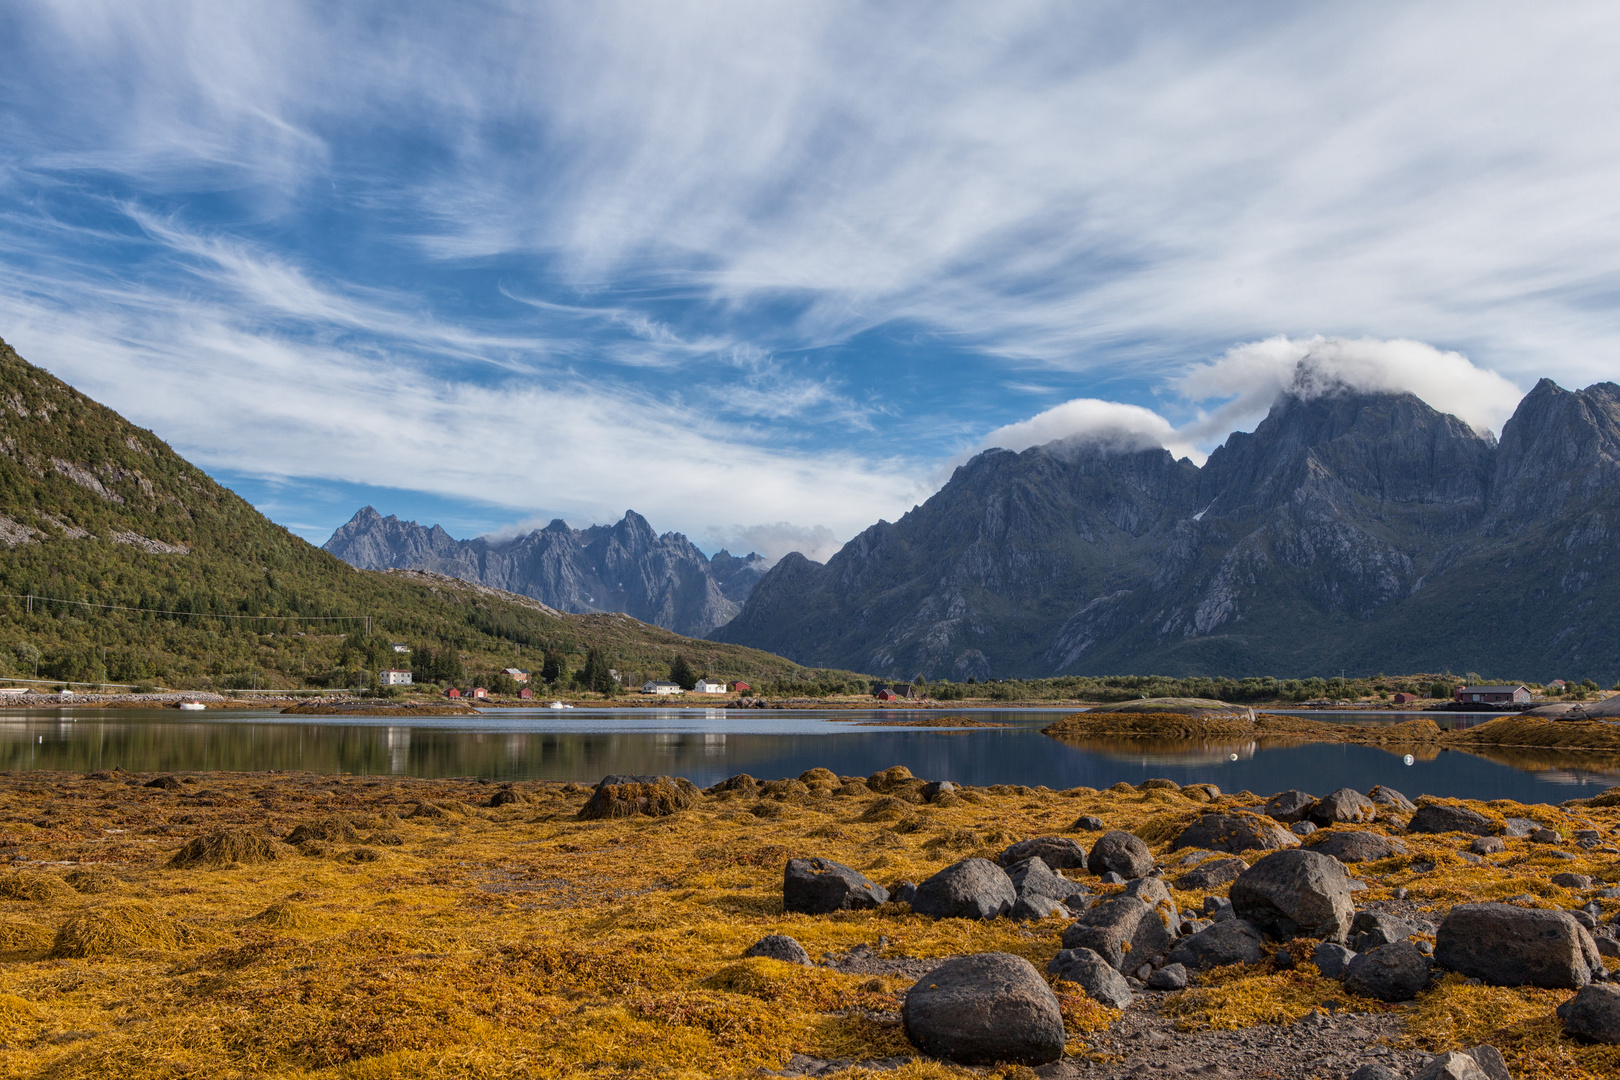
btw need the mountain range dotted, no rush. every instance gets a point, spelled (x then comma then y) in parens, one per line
(1350, 531)
(626, 567)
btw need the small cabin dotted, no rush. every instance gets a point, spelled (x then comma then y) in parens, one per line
(708, 686)
(651, 687)
(1402, 698)
(526, 693)
(452, 693)
(1494, 695)
(741, 687)
(887, 695)
(478, 692)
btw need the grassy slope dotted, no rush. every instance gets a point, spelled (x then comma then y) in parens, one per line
(74, 475)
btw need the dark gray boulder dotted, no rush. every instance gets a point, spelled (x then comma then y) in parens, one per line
(1372, 929)
(1346, 806)
(1089, 823)
(1356, 845)
(1034, 907)
(1172, 976)
(1487, 845)
(1032, 876)
(1567, 880)
(1096, 976)
(1451, 1065)
(1211, 875)
(1057, 852)
(819, 886)
(1152, 892)
(1236, 833)
(779, 947)
(1292, 893)
(1289, 806)
(1331, 959)
(970, 889)
(904, 892)
(1122, 930)
(1374, 1071)
(1594, 1013)
(1230, 942)
(932, 790)
(1441, 818)
(1519, 826)
(985, 1009)
(1383, 796)
(1302, 828)
(1389, 973)
(1121, 853)
(1514, 946)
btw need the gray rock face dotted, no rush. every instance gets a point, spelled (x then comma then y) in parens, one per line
(1122, 930)
(1031, 907)
(1057, 852)
(663, 580)
(1236, 833)
(1211, 875)
(1567, 880)
(1291, 893)
(1487, 845)
(1230, 942)
(1594, 1013)
(1289, 806)
(1512, 946)
(1172, 976)
(1332, 960)
(985, 1009)
(779, 947)
(1374, 1071)
(819, 886)
(1302, 828)
(1101, 982)
(1389, 973)
(970, 889)
(1451, 1065)
(1489, 1059)
(1121, 853)
(1440, 818)
(1152, 892)
(1383, 796)
(1372, 929)
(1090, 823)
(1343, 807)
(1356, 846)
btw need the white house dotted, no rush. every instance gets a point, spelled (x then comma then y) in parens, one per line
(399, 646)
(393, 677)
(661, 688)
(704, 686)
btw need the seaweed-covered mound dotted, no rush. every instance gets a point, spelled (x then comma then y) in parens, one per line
(634, 796)
(1540, 731)
(1171, 725)
(1175, 705)
(118, 927)
(243, 846)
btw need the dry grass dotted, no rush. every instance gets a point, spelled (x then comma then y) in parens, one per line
(520, 941)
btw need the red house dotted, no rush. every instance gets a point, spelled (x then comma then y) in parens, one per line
(452, 693)
(526, 693)
(741, 687)
(478, 692)
(887, 695)
(1402, 699)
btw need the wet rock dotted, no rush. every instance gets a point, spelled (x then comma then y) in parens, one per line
(1594, 1013)
(1357, 846)
(819, 886)
(1331, 960)
(985, 1009)
(1572, 881)
(1230, 942)
(1088, 823)
(1383, 796)
(1096, 976)
(1513, 946)
(1057, 852)
(970, 889)
(1121, 853)
(1235, 833)
(1289, 806)
(1120, 930)
(1372, 929)
(1346, 806)
(1440, 818)
(1297, 892)
(1394, 972)
(1451, 1065)
(1487, 845)
(1211, 875)
(779, 947)
(1172, 976)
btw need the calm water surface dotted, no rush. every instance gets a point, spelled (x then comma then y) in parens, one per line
(707, 745)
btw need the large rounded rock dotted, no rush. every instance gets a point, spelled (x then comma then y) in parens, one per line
(1211, 875)
(1122, 930)
(1297, 892)
(1236, 833)
(985, 1009)
(1356, 845)
(1289, 806)
(1120, 852)
(1389, 973)
(1594, 1013)
(970, 889)
(1230, 942)
(1057, 852)
(1441, 818)
(1095, 976)
(1391, 798)
(779, 947)
(1346, 806)
(1032, 877)
(1514, 946)
(1372, 929)
(819, 886)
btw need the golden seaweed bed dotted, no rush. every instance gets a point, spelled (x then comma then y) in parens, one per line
(412, 929)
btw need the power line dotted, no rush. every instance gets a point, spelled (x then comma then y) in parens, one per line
(30, 597)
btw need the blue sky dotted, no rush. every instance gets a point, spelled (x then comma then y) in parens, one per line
(766, 272)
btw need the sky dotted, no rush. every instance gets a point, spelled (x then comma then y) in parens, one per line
(767, 272)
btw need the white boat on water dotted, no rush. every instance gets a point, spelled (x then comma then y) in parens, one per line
(558, 705)
(193, 706)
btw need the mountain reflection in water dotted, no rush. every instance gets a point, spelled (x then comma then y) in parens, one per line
(707, 745)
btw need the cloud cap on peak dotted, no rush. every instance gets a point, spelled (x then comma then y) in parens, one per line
(1091, 422)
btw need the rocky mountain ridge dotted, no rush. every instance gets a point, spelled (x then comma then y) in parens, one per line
(626, 567)
(1350, 531)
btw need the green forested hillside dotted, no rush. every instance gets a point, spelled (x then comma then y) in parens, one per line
(96, 510)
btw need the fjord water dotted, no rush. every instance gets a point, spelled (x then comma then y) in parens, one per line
(707, 745)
